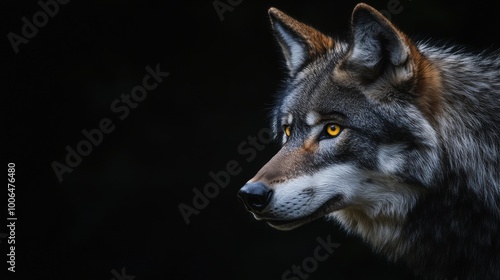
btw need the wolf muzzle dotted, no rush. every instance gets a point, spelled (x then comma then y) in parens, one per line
(255, 196)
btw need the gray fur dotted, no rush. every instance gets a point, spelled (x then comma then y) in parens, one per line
(422, 189)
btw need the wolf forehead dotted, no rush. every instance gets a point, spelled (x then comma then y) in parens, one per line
(315, 92)
(309, 105)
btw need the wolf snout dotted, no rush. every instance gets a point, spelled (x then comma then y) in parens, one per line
(255, 196)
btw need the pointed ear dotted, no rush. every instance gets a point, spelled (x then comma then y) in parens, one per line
(377, 47)
(300, 43)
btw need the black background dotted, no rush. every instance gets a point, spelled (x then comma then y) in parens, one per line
(118, 208)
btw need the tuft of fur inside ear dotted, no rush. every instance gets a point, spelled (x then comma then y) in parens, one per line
(299, 42)
(378, 48)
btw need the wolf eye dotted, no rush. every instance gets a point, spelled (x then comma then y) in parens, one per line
(333, 129)
(288, 130)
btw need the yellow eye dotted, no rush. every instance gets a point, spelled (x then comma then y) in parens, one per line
(288, 130)
(333, 129)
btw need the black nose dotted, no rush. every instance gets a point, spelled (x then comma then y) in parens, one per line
(255, 196)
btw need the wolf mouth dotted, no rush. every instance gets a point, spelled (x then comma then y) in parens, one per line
(331, 205)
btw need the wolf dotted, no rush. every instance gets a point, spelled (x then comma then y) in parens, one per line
(394, 138)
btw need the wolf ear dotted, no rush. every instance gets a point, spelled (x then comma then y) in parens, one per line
(299, 42)
(377, 46)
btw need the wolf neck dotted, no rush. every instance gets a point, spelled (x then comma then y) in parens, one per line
(436, 225)
(380, 226)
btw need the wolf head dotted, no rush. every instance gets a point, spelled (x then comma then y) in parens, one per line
(356, 122)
